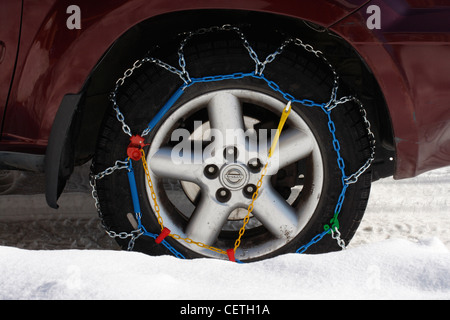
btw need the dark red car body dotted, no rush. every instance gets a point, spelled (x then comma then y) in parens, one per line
(47, 71)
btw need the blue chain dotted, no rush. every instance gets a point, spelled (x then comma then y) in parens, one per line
(137, 210)
(334, 223)
(239, 75)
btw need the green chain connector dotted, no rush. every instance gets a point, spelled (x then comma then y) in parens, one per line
(334, 222)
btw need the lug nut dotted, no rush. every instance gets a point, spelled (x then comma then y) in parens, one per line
(223, 195)
(230, 153)
(211, 171)
(249, 190)
(254, 165)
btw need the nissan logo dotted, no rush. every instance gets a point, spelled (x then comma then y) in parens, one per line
(234, 176)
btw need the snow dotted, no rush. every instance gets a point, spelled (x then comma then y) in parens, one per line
(401, 251)
(391, 269)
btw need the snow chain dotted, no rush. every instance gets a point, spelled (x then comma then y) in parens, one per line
(136, 152)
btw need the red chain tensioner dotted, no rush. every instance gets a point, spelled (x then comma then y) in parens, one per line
(230, 254)
(135, 146)
(164, 233)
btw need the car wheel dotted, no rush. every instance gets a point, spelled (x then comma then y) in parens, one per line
(206, 155)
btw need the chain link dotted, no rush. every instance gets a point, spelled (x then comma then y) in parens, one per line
(336, 235)
(319, 54)
(226, 27)
(152, 190)
(372, 144)
(118, 165)
(156, 208)
(284, 116)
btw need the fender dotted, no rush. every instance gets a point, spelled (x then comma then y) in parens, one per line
(408, 56)
(58, 164)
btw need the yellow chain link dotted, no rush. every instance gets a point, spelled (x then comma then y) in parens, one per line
(284, 116)
(152, 191)
(160, 219)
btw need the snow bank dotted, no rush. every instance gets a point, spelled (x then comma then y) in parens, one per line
(391, 269)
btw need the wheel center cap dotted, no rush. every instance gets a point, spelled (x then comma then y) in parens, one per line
(234, 176)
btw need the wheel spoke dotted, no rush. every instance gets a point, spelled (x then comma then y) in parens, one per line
(293, 146)
(226, 119)
(166, 164)
(207, 220)
(275, 213)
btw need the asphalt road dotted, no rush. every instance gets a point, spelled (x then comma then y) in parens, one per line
(27, 222)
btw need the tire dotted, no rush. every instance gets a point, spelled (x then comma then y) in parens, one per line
(303, 194)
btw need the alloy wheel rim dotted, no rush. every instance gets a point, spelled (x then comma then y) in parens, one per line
(204, 193)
